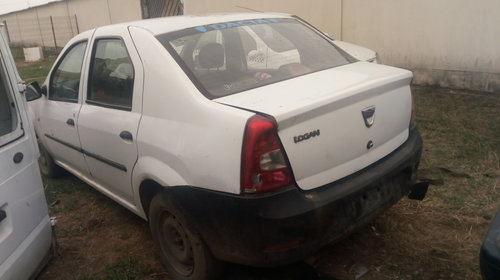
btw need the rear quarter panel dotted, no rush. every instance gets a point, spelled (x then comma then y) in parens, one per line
(184, 138)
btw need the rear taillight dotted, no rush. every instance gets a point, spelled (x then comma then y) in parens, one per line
(412, 117)
(263, 163)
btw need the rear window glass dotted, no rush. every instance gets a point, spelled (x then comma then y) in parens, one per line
(226, 58)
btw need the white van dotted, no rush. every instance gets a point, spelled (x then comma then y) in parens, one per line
(26, 237)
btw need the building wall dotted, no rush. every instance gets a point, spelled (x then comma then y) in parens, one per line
(69, 17)
(324, 14)
(449, 43)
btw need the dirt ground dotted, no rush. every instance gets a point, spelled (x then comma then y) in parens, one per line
(437, 238)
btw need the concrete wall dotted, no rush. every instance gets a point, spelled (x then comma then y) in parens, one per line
(449, 43)
(324, 14)
(69, 17)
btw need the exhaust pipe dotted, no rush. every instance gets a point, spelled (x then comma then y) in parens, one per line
(418, 191)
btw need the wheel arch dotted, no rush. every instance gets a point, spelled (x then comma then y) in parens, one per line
(147, 190)
(151, 176)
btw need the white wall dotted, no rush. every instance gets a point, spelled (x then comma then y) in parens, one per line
(450, 43)
(324, 14)
(33, 27)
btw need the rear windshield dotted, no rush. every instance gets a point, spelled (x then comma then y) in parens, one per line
(230, 57)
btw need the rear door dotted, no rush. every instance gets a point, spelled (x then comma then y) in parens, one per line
(109, 118)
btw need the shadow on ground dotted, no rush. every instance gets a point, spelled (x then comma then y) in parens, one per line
(297, 271)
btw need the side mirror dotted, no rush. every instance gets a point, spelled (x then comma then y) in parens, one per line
(33, 91)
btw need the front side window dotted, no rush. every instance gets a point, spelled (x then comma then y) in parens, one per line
(230, 57)
(111, 80)
(65, 81)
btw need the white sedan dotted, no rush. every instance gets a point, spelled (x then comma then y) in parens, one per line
(247, 138)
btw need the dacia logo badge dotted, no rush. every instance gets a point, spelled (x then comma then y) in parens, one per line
(369, 115)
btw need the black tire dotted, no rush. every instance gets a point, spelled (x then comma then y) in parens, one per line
(47, 165)
(181, 249)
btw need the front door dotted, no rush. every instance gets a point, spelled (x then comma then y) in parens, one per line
(59, 114)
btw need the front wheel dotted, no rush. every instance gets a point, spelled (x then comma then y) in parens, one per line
(47, 165)
(182, 251)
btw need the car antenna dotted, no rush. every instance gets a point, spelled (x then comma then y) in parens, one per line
(250, 9)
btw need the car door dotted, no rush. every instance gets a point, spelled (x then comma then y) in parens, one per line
(109, 118)
(59, 114)
(25, 230)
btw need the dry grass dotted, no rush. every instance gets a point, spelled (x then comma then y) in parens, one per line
(34, 71)
(440, 237)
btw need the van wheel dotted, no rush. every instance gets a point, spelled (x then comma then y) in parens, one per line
(182, 251)
(47, 165)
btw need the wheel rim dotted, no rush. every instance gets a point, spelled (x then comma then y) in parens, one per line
(175, 243)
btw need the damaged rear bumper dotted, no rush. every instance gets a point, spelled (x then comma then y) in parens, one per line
(288, 225)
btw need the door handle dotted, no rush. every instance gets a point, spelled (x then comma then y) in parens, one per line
(70, 122)
(127, 136)
(18, 157)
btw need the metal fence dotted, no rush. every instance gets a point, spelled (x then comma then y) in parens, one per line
(53, 31)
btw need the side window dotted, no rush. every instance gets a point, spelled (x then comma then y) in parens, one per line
(272, 38)
(247, 41)
(111, 80)
(65, 81)
(8, 118)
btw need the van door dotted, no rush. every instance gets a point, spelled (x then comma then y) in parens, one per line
(25, 230)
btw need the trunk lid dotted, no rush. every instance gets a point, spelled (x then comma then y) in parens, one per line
(335, 122)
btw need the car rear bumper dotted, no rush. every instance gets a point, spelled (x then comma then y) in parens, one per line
(288, 225)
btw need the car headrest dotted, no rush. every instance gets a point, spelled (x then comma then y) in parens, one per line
(211, 55)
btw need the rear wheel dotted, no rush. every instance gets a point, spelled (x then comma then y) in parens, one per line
(182, 251)
(47, 165)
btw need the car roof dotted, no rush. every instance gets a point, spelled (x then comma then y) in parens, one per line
(174, 23)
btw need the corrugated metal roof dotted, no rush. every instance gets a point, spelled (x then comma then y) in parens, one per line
(10, 6)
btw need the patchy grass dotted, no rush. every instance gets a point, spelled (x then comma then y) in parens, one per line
(437, 238)
(124, 268)
(33, 71)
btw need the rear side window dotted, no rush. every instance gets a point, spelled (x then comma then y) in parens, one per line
(111, 81)
(65, 81)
